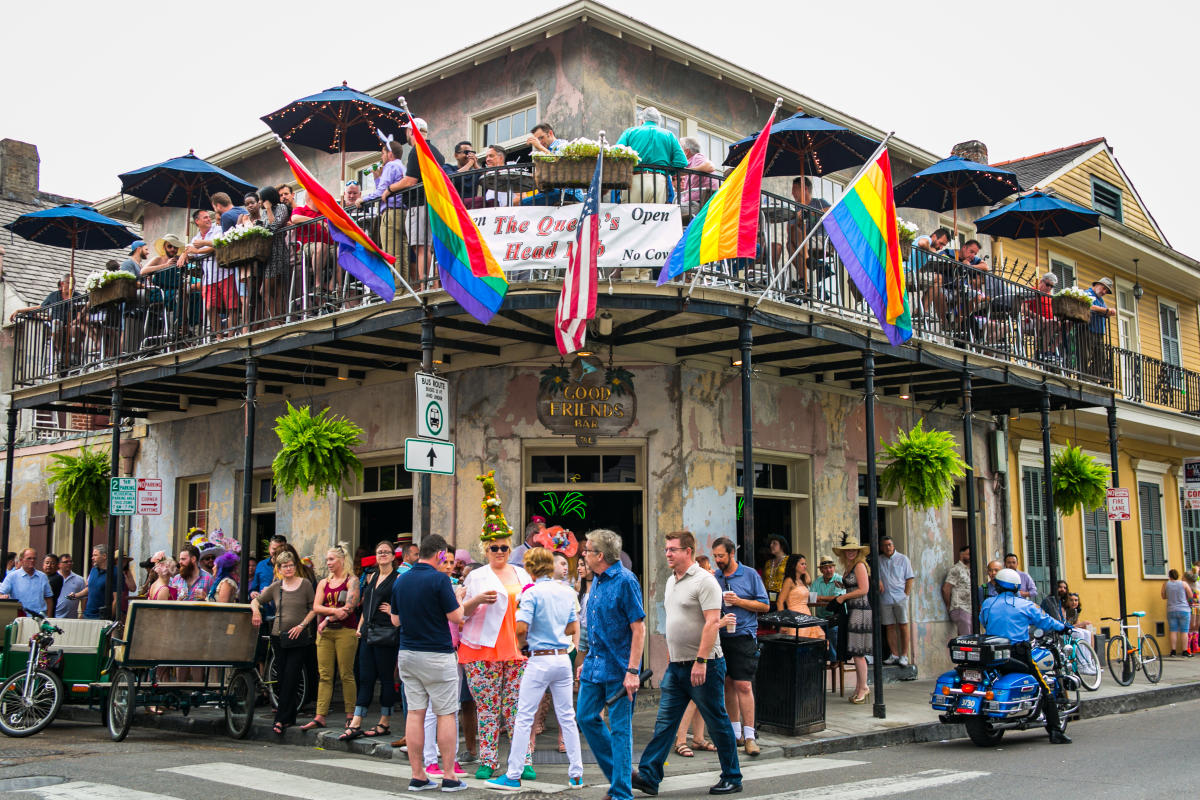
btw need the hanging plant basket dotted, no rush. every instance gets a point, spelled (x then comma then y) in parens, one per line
(1079, 481)
(317, 452)
(244, 252)
(81, 482)
(922, 467)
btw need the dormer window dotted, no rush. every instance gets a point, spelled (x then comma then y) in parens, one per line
(1106, 198)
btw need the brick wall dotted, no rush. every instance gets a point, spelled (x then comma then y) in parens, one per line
(19, 166)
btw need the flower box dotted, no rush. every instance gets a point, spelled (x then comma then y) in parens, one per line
(1071, 307)
(244, 252)
(565, 172)
(115, 291)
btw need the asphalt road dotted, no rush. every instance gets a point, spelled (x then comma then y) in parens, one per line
(1151, 753)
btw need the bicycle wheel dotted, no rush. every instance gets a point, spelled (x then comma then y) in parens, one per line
(121, 703)
(28, 707)
(1120, 660)
(1086, 666)
(1151, 658)
(271, 677)
(239, 703)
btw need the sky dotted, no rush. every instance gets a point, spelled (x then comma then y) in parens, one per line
(106, 88)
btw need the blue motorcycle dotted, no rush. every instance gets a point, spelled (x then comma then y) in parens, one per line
(990, 693)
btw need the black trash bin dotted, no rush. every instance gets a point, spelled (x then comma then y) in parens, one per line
(789, 691)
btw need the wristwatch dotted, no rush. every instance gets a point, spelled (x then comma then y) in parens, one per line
(633, 671)
(701, 660)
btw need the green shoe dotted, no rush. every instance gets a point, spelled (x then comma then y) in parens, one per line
(528, 774)
(483, 773)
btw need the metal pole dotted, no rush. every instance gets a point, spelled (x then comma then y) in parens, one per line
(10, 447)
(114, 568)
(424, 481)
(1113, 456)
(746, 556)
(880, 709)
(1048, 486)
(248, 480)
(969, 457)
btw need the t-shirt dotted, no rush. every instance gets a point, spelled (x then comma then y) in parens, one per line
(413, 170)
(68, 606)
(60, 312)
(423, 597)
(1099, 319)
(894, 571)
(316, 230)
(56, 584)
(208, 264)
(686, 599)
(97, 596)
(748, 585)
(229, 219)
(131, 266)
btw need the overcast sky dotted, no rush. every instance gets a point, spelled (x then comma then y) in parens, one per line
(103, 88)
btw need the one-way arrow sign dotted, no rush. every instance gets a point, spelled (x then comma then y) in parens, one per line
(423, 455)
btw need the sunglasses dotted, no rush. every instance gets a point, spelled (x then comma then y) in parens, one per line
(498, 548)
(352, 183)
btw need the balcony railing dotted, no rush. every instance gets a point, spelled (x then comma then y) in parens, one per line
(952, 304)
(1147, 380)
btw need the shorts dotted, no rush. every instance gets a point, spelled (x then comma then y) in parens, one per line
(430, 680)
(1179, 621)
(417, 226)
(741, 657)
(893, 613)
(222, 295)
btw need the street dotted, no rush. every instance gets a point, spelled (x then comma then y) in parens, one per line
(1125, 756)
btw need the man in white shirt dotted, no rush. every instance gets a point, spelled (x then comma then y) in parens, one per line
(896, 579)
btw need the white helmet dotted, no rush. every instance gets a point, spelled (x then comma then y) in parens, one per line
(1008, 580)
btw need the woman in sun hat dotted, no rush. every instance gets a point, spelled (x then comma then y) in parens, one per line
(856, 641)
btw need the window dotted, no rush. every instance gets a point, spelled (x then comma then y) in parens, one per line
(390, 477)
(1191, 532)
(1064, 268)
(1150, 516)
(888, 516)
(1033, 508)
(49, 424)
(782, 488)
(1097, 550)
(264, 492)
(193, 493)
(1168, 324)
(1106, 198)
(583, 468)
(509, 124)
(675, 126)
(713, 145)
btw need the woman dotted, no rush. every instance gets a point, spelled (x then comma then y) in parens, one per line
(489, 650)
(163, 569)
(1179, 611)
(225, 587)
(774, 571)
(1081, 630)
(1193, 641)
(335, 604)
(793, 596)
(275, 218)
(856, 641)
(378, 642)
(292, 630)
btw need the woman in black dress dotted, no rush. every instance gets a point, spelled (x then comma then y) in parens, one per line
(856, 577)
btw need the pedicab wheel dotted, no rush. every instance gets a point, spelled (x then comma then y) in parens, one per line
(27, 709)
(122, 699)
(239, 703)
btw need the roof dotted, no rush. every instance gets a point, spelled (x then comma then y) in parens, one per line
(1033, 170)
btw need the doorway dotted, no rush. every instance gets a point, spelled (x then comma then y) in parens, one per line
(383, 519)
(772, 517)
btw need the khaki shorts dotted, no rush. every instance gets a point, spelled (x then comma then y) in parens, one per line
(893, 613)
(430, 680)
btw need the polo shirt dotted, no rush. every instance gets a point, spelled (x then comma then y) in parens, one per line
(686, 599)
(1099, 321)
(826, 588)
(413, 170)
(894, 571)
(547, 608)
(69, 606)
(614, 603)
(30, 591)
(426, 597)
(747, 584)
(655, 145)
(96, 598)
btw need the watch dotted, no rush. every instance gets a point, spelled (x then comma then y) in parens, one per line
(633, 671)
(701, 660)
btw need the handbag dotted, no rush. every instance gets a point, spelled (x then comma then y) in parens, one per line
(286, 642)
(380, 635)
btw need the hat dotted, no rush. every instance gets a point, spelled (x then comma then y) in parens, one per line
(849, 541)
(462, 555)
(1050, 278)
(1105, 282)
(136, 244)
(422, 125)
(825, 561)
(536, 518)
(171, 239)
(495, 526)
(558, 540)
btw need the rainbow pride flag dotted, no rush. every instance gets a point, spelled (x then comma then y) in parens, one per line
(862, 227)
(357, 252)
(727, 226)
(469, 271)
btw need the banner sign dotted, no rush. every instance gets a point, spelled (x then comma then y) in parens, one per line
(536, 237)
(1191, 472)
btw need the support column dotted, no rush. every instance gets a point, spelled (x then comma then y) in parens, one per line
(1048, 487)
(746, 556)
(248, 479)
(424, 479)
(114, 557)
(879, 708)
(1113, 456)
(969, 457)
(10, 448)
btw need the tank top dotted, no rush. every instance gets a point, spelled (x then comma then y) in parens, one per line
(335, 597)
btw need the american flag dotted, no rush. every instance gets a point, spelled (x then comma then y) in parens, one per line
(577, 303)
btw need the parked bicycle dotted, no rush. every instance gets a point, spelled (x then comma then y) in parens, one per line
(1079, 659)
(30, 699)
(1125, 659)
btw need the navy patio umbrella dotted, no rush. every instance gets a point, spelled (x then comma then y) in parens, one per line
(954, 182)
(1037, 214)
(73, 225)
(807, 145)
(182, 183)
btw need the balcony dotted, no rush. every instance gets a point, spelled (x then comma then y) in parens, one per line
(1141, 379)
(954, 306)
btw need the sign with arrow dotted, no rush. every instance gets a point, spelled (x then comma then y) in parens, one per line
(423, 455)
(432, 395)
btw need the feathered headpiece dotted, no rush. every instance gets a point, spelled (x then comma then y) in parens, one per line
(495, 526)
(197, 538)
(557, 539)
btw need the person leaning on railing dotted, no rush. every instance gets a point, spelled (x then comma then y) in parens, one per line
(62, 309)
(392, 237)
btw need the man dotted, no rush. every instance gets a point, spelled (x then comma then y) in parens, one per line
(1100, 311)
(229, 214)
(72, 585)
(968, 255)
(97, 580)
(824, 589)
(536, 525)
(657, 147)
(352, 195)
(1028, 588)
(956, 591)
(218, 286)
(62, 316)
(1010, 616)
(694, 190)
(609, 674)
(467, 161)
(285, 195)
(696, 670)
(896, 579)
(50, 567)
(427, 663)
(391, 205)
(989, 589)
(543, 140)
(1053, 605)
(138, 253)
(934, 242)
(28, 585)
(418, 216)
(807, 216)
(264, 571)
(191, 582)
(745, 598)
(1097, 360)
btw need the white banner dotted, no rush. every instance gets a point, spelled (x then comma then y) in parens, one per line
(536, 237)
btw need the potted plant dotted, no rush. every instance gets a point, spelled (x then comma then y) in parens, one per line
(908, 234)
(317, 453)
(572, 166)
(243, 246)
(1079, 481)
(1072, 303)
(81, 484)
(110, 286)
(922, 468)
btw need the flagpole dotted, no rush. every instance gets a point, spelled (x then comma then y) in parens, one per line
(821, 221)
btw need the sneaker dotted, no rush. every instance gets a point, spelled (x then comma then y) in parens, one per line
(434, 771)
(528, 774)
(903, 661)
(453, 786)
(421, 786)
(575, 783)
(467, 757)
(892, 659)
(483, 773)
(504, 783)
(458, 770)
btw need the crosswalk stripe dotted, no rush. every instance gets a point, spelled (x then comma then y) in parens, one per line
(880, 787)
(86, 790)
(275, 782)
(401, 770)
(770, 769)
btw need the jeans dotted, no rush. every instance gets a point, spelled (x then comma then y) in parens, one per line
(612, 744)
(376, 663)
(674, 693)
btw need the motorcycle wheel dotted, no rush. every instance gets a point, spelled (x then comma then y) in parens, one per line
(982, 734)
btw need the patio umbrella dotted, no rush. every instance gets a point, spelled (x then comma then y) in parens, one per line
(337, 119)
(806, 145)
(73, 225)
(182, 182)
(956, 181)
(1035, 214)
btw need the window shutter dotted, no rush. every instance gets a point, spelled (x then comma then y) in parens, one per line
(1168, 319)
(1095, 542)
(1150, 511)
(1191, 532)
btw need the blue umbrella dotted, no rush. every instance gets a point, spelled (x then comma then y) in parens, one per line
(956, 181)
(73, 225)
(182, 182)
(1035, 214)
(806, 145)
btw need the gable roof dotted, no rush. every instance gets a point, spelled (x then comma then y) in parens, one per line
(1033, 171)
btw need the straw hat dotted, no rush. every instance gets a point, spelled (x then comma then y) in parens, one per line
(171, 239)
(848, 541)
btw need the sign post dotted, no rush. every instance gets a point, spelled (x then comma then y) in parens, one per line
(433, 395)
(1117, 503)
(122, 497)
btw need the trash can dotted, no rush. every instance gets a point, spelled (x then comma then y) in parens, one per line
(1101, 647)
(789, 691)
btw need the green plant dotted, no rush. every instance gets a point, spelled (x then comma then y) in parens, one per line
(554, 379)
(569, 503)
(317, 453)
(81, 484)
(1079, 480)
(619, 380)
(923, 467)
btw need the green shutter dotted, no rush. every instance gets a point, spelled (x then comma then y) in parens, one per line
(1034, 496)
(1095, 542)
(1150, 514)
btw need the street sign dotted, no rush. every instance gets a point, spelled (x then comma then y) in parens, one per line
(432, 395)
(122, 496)
(422, 455)
(149, 495)
(1117, 501)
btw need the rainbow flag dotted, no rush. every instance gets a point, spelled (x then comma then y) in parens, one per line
(468, 269)
(727, 226)
(357, 252)
(862, 227)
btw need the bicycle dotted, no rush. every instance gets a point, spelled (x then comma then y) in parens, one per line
(1124, 661)
(269, 676)
(30, 699)
(1076, 653)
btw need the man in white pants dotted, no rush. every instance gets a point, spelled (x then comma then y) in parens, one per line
(545, 623)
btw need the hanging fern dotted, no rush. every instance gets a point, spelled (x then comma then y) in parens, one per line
(81, 484)
(923, 467)
(1079, 480)
(317, 453)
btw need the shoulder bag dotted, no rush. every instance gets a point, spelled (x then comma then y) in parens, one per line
(380, 635)
(306, 636)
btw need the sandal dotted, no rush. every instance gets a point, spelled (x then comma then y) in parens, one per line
(682, 749)
(705, 745)
(278, 728)
(311, 726)
(379, 730)
(350, 734)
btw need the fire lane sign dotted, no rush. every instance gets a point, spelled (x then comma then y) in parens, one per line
(1117, 502)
